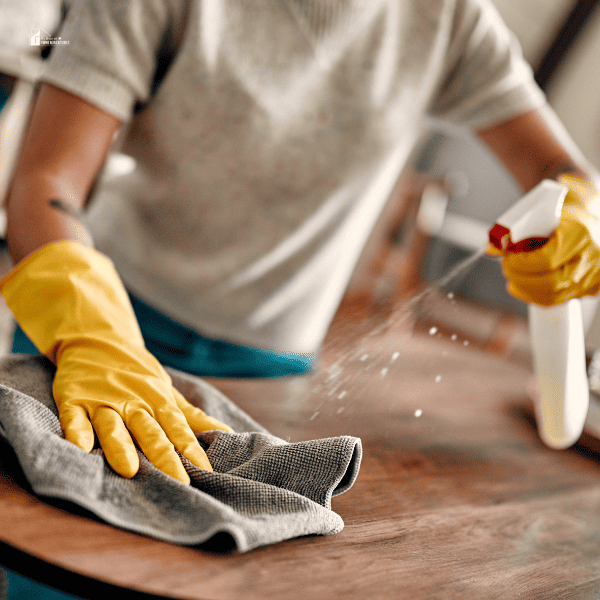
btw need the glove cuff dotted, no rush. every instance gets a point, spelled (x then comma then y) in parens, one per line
(66, 290)
(581, 192)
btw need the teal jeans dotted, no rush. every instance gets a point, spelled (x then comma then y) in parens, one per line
(183, 349)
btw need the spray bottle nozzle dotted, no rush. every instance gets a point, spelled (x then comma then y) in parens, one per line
(500, 238)
(527, 225)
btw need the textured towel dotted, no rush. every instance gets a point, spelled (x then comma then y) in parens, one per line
(263, 489)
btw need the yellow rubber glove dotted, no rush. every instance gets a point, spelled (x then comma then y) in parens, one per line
(71, 303)
(568, 265)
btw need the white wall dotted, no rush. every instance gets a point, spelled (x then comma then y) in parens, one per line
(575, 94)
(535, 22)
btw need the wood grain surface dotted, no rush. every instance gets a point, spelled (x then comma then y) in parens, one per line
(456, 498)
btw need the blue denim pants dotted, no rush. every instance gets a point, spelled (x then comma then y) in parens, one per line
(183, 349)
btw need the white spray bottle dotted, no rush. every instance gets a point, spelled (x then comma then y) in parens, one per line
(556, 333)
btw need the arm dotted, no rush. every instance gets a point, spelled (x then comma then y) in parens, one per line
(63, 151)
(70, 301)
(528, 148)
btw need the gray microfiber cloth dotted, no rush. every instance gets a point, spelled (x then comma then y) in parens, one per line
(263, 489)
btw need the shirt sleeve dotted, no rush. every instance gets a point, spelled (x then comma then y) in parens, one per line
(110, 55)
(486, 80)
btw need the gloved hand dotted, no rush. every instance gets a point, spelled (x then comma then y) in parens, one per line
(568, 265)
(71, 303)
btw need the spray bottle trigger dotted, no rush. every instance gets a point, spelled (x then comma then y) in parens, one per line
(528, 223)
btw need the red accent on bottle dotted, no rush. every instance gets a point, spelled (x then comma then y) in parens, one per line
(500, 236)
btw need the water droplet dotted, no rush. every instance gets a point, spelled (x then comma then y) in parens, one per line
(438, 378)
(395, 356)
(418, 412)
(364, 357)
(384, 372)
(333, 376)
(450, 295)
(433, 331)
(466, 343)
(453, 337)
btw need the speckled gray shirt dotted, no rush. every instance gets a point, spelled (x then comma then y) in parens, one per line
(268, 135)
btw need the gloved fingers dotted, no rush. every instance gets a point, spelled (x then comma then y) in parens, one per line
(568, 241)
(492, 251)
(574, 279)
(541, 295)
(197, 419)
(155, 444)
(116, 442)
(545, 289)
(76, 425)
(176, 428)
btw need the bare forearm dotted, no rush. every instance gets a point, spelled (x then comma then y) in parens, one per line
(63, 151)
(529, 150)
(40, 211)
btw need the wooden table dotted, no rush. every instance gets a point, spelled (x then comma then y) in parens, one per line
(463, 501)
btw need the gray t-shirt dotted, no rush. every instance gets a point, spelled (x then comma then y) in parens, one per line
(268, 135)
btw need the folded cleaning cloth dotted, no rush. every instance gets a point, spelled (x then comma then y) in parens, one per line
(263, 489)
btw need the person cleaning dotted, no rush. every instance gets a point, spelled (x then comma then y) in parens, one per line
(267, 139)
